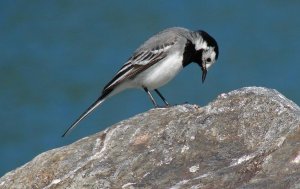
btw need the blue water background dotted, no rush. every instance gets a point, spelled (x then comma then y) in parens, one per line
(56, 56)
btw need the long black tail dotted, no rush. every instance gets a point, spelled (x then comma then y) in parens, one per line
(84, 114)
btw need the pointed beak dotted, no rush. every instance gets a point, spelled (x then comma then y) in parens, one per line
(204, 72)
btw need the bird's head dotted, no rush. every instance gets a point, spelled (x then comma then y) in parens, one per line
(207, 51)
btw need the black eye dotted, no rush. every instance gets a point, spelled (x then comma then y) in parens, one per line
(208, 60)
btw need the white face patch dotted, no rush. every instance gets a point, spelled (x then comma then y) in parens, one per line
(209, 54)
(200, 44)
(208, 65)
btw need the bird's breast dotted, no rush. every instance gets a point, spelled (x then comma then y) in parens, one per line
(161, 73)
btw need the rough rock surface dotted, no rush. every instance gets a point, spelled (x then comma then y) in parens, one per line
(248, 138)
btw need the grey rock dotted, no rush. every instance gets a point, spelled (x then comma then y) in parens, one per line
(248, 138)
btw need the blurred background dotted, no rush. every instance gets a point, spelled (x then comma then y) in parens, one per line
(56, 56)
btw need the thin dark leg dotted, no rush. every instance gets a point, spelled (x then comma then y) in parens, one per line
(161, 96)
(151, 97)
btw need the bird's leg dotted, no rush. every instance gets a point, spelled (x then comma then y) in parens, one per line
(151, 97)
(161, 96)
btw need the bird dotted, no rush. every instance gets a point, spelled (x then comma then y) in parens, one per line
(157, 61)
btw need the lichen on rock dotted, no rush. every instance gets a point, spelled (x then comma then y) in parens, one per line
(247, 138)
